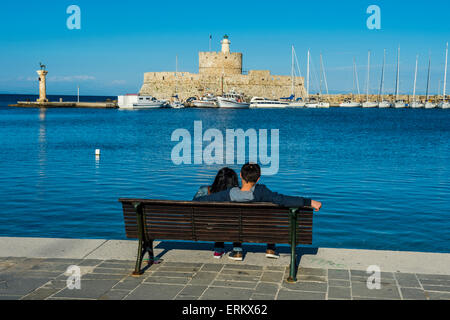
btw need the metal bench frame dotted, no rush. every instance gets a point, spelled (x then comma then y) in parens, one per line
(145, 239)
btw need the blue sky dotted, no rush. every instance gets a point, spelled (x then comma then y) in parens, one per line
(119, 41)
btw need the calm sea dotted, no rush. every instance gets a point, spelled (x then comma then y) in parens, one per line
(383, 175)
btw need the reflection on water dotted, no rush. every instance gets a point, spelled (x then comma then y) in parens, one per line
(382, 175)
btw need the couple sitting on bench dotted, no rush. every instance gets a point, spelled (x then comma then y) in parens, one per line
(226, 189)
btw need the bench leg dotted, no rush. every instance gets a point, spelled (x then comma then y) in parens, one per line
(293, 268)
(143, 248)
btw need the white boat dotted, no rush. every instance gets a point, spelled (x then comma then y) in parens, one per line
(258, 102)
(312, 104)
(232, 100)
(299, 103)
(416, 104)
(430, 105)
(399, 104)
(134, 101)
(323, 104)
(445, 104)
(384, 104)
(207, 101)
(350, 104)
(176, 104)
(368, 104)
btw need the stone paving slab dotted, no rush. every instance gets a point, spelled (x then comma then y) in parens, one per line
(46, 279)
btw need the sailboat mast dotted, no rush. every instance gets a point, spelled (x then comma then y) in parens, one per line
(368, 75)
(324, 76)
(415, 78)
(382, 77)
(292, 72)
(357, 79)
(428, 80)
(397, 86)
(176, 74)
(445, 73)
(321, 75)
(307, 77)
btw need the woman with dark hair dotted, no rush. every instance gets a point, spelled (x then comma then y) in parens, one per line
(225, 179)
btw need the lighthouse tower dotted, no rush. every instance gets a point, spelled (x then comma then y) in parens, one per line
(225, 45)
(220, 63)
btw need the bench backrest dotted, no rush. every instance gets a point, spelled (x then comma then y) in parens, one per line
(215, 221)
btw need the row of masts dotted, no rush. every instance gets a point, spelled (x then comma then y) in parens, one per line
(356, 80)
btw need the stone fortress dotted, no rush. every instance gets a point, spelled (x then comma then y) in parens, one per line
(220, 72)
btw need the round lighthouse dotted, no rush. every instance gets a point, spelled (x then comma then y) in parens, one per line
(225, 44)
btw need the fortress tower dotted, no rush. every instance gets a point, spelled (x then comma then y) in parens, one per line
(223, 62)
(220, 72)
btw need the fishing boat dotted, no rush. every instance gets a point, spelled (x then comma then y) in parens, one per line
(232, 100)
(445, 104)
(367, 103)
(258, 102)
(134, 101)
(398, 103)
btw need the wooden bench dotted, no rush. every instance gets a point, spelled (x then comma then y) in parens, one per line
(149, 220)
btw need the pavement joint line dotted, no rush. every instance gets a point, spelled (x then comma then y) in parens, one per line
(87, 255)
(397, 284)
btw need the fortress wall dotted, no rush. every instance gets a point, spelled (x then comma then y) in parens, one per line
(257, 83)
(217, 63)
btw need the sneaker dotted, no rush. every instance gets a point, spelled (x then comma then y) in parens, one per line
(218, 253)
(235, 255)
(272, 254)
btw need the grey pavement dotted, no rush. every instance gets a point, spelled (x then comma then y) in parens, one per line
(189, 272)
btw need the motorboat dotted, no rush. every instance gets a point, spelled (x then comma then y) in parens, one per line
(299, 103)
(207, 101)
(323, 104)
(444, 105)
(232, 100)
(134, 101)
(258, 102)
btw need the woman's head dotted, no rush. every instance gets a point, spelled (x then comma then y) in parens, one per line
(226, 178)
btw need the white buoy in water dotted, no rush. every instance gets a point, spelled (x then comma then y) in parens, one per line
(97, 152)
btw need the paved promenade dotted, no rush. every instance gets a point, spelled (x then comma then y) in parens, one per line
(36, 269)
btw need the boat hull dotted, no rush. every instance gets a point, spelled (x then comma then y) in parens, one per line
(231, 104)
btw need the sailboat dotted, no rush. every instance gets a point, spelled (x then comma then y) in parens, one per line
(323, 104)
(298, 103)
(383, 103)
(368, 104)
(445, 104)
(351, 103)
(309, 103)
(414, 103)
(176, 103)
(429, 104)
(398, 103)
